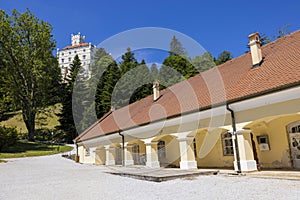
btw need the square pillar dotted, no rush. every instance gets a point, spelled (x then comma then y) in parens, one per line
(110, 155)
(245, 148)
(152, 157)
(128, 155)
(187, 157)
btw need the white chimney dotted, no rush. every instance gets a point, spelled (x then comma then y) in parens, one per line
(155, 90)
(254, 44)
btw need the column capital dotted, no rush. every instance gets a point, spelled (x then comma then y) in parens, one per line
(149, 143)
(185, 139)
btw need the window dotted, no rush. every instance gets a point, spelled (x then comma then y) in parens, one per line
(83, 56)
(70, 52)
(70, 59)
(195, 147)
(296, 129)
(62, 60)
(227, 144)
(161, 147)
(263, 142)
(83, 50)
(62, 66)
(87, 151)
(62, 54)
(75, 51)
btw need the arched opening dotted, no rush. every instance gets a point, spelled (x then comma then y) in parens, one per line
(293, 130)
(161, 151)
(168, 152)
(100, 156)
(138, 152)
(275, 138)
(117, 153)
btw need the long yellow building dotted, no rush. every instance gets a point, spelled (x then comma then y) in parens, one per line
(243, 114)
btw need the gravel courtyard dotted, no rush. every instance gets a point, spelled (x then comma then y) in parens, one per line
(54, 177)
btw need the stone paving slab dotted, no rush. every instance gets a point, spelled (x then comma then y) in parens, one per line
(165, 174)
(159, 174)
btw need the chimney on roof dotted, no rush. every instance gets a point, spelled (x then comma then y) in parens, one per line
(112, 109)
(155, 90)
(255, 49)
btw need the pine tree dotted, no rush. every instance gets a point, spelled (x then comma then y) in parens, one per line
(66, 120)
(110, 74)
(176, 48)
(125, 87)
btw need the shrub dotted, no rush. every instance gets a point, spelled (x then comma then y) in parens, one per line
(8, 137)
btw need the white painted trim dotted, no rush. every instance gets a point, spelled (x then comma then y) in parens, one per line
(129, 162)
(246, 165)
(110, 162)
(153, 164)
(188, 165)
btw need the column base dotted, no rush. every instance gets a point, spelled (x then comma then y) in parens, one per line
(246, 165)
(188, 165)
(153, 164)
(110, 162)
(129, 162)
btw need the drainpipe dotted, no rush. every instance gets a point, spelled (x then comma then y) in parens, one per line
(235, 139)
(123, 148)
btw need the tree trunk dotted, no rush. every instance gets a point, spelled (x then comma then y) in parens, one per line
(29, 119)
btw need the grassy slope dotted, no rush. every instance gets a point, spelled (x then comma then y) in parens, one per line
(27, 149)
(46, 120)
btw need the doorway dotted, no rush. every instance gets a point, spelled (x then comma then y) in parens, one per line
(294, 139)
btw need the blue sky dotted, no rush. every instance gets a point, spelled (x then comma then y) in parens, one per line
(216, 25)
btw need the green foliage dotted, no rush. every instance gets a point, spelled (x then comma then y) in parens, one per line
(66, 120)
(105, 86)
(204, 62)
(223, 57)
(8, 137)
(27, 64)
(176, 48)
(176, 69)
(126, 82)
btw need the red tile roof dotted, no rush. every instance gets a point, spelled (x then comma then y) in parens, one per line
(232, 81)
(76, 46)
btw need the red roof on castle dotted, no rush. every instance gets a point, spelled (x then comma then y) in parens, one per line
(230, 82)
(76, 46)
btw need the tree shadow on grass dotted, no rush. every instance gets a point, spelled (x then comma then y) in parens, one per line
(22, 147)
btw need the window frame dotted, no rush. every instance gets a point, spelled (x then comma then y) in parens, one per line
(225, 145)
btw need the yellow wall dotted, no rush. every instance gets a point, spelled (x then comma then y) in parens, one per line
(275, 127)
(100, 156)
(215, 157)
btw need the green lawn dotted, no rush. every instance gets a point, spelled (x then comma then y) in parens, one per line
(48, 119)
(3, 161)
(28, 149)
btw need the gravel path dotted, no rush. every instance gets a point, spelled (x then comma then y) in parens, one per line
(53, 177)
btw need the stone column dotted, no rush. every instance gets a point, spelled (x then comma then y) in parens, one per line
(187, 157)
(247, 161)
(128, 155)
(110, 155)
(151, 153)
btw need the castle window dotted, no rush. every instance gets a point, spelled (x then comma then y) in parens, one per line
(227, 144)
(70, 59)
(62, 60)
(84, 56)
